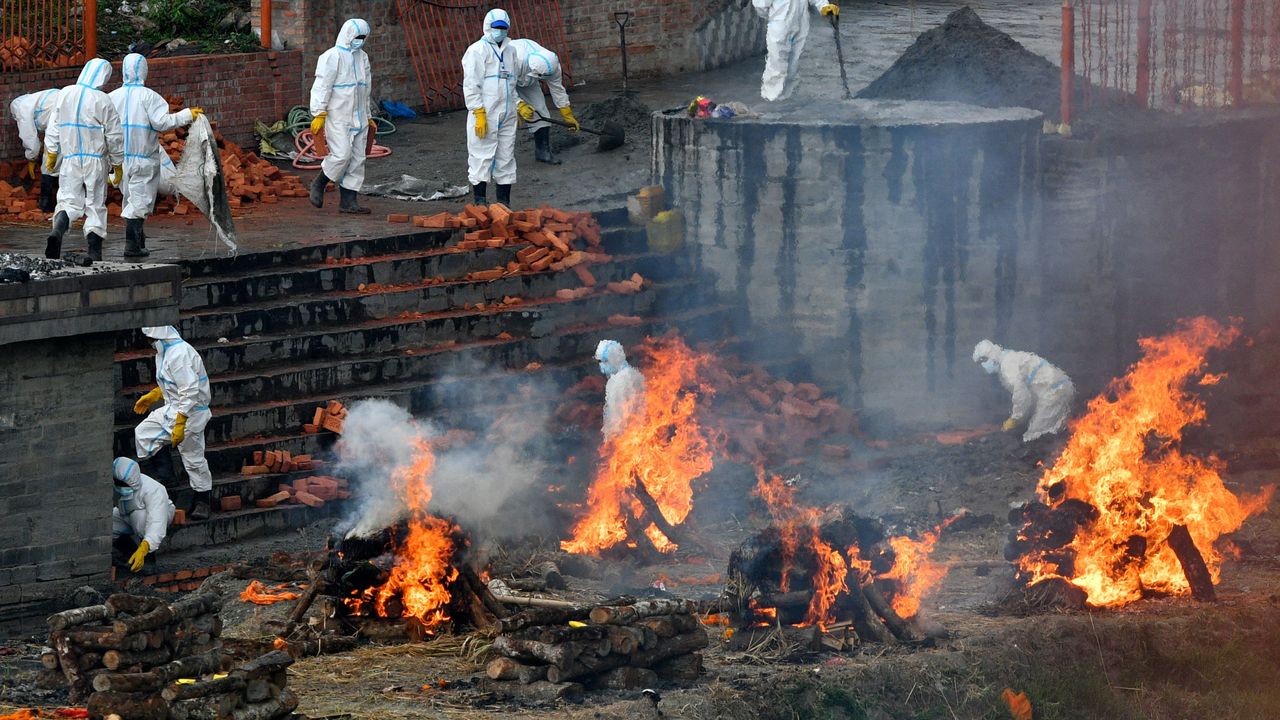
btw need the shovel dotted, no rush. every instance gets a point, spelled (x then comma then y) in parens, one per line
(844, 77)
(612, 136)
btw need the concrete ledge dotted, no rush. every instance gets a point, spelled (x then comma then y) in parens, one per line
(102, 298)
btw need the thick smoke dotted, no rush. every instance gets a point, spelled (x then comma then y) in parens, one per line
(378, 438)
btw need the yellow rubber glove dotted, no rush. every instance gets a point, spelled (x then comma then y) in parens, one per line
(179, 430)
(830, 9)
(317, 123)
(31, 169)
(566, 112)
(144, 404)
(139, 555)
(482, 123)
(196, 112)
(117, 173)
(50, 159)
(1009, 424)
(526, 111)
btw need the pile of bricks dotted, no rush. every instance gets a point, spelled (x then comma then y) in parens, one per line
(16, 203)
(313, 491)
(177, 581)
(328, 417)
(266, 462)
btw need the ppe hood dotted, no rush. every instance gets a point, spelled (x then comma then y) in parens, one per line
(162, 332)
(95, 74)
(496, 16)
(126, 471)
(350, 30)
(611, 356)
(986, 350)
(543, 65)
(134, 69)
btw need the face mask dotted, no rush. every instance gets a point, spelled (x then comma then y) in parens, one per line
(991, 366)
(124, 493)
(357, 44)
(497, 34)
(605, 367)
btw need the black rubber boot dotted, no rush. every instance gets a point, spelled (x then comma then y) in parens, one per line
(48, 193)
(200, 505)
(95, 246)
(133, 239)
(161, 469)
(122, 548)
(481, 191)
(348, 203)
(542, 147)
(53, 247)
(504, 195)
(142, 233)
(317, 190)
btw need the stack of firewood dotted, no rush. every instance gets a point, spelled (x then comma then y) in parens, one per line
(129, 634)
(612, 646)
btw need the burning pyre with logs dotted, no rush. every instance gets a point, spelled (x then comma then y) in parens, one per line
(1123, 513)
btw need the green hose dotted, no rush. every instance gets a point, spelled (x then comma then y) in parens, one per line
(299, 119)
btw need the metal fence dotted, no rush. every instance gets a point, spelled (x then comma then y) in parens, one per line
(439, 31)
(1165, 53)
(40, 34)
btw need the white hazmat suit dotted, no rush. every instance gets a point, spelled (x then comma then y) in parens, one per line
(143, 511)
(623, 392)
(1040, 390)
(785, 38)
(32, 112)
(182, 379)
(537, 65)
(489, 69)
(342, 92)
(86, 135)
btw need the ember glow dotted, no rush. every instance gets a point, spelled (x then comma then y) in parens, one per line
(420, 578)
(799, 529)
(664, 448)
(917, 574)
(1123, 458)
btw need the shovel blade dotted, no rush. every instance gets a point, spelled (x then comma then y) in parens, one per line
(612, 137)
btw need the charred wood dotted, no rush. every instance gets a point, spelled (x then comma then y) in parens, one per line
(626, 678)
(135, 706)
(682, 668)
(621, 615)
(230, 684)
(542, 616)
(1193, 565)
(901, 629)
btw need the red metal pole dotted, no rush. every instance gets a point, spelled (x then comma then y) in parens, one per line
(265, 24)
(1068, 59)
(90, 29)
(1236, 81)
(1143, 90)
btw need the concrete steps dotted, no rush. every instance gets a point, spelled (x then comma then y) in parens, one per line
(282, 333)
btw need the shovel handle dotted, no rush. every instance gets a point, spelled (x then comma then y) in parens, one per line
(564, 124)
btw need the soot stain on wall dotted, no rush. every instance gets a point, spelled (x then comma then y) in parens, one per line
(854, 244)
(787, 247)
(752, 140)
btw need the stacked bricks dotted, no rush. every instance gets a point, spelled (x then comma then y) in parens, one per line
(178, 580)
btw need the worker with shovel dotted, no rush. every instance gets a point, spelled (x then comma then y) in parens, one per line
(785, 37)
(536, 65)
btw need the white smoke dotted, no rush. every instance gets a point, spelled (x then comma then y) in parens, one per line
(378, 438)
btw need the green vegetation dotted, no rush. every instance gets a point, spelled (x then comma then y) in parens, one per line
(208, 25)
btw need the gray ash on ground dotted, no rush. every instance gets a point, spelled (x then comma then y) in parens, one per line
(630, 113)
(966, 60)
(39, 268)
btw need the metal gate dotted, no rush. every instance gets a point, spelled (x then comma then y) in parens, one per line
(439, 31)
(39, 34)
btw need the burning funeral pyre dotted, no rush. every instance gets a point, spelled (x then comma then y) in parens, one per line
(1123, 513)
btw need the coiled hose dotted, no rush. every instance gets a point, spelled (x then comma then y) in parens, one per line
(298, 124)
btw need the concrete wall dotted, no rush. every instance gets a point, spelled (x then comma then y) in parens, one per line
(879, 246)
(235, 90)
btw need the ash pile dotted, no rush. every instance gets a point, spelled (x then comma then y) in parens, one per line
(140, 658)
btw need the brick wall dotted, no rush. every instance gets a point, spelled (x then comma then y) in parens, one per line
(235, 90)
(55, 469)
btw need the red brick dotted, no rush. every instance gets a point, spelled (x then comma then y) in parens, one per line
(229, 503)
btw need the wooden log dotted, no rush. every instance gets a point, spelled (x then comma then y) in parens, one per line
(626, 678)
(667, 648)
(681, 668)
(116, 659)
(321, 646)
(561, 654)
(901, 629)
(265, 665)
(482, 591)
(69, 660)
(532, 584)
(548, 692)
(665, 626)
(104, 639)
(134, 706)
(204, 688)
(278, 707)
(541, 616)
(156, 639)
(154, 679)
(503, 668)
(201, 603)
(1193, 565)
(209, 707)
(158, 618)
(564, 633)
(315, 572)
(124, 603)
(865, 620)
(544, 603)
(90, 661)
(78, 616)
(49, 658)
(550, 573)
(624, 614)
(681, 535)
(626, 640)
(259, 690)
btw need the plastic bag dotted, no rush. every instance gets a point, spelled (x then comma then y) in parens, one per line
(198, 177)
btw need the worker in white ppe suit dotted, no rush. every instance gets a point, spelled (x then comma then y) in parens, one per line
(32, 112)
(84, 134)
(340, 106)
(785, 37)
(538, 65)
(624, 390)
(142, 513)
(1041, 392)
(183, 386)
(144, 115)
(489, 69)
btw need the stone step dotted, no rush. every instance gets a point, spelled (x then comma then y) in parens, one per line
(316, 254)
(222, 528)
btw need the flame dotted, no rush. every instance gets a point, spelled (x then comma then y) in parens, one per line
(664, 448)
(1123, 460)
(916, 574)
(258, 594)
(423, 569)
(1018, 704)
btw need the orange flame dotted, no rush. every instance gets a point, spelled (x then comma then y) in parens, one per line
(1018, 704)
(423, 570)
(258, 594)
(916, 573)
(664, 448)
(1123, 459)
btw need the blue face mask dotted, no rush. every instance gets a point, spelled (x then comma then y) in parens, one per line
(124, 493)
(497, 34)
(605, 367)
(991, 366)
(357, 44)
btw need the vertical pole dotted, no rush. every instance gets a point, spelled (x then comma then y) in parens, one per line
(265, 24)
(1236, 81)
(90, 29)
(623, 19)
(1143, 90)
(1068, 60)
